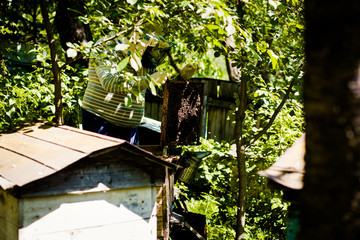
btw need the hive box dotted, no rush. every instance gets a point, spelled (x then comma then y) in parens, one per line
(59, 182)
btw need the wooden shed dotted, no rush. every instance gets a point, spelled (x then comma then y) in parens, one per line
(59, 182)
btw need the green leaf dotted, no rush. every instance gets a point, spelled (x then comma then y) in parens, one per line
(213, 27)
(274, 59)
(152, 88)
(71, 53)
(134, 64)
(273, 3)
(128, 100)
(70, 45)
(89, 44)
(123, 64)
(132, 2)
(230, 29)
(121, 47)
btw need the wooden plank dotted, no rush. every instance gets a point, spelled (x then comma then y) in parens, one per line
(227, 89)
(212, 87)
(115, 170)
(203, 132)
(220, 103)
(229, 133)
(214, 123)
(19, 169)
(153, 110)
(6, 184)
(8, 216)
(219, 128)
(138, 200)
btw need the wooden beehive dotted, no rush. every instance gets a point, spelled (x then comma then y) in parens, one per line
(58, 182)
(182, 113)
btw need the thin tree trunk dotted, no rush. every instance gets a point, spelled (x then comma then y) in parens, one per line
(331, 196)
(240, 150)
(234, 75)
(55, 67)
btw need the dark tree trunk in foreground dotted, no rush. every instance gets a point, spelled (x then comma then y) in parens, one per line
(331, 193)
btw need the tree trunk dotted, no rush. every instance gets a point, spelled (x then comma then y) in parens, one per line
(54, 65)
(331, 196)
(234, 75)
(240, 151)
(70, 28)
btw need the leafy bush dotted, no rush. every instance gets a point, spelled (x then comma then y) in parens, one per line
(25, 98)
(214, 190)
(29, 97)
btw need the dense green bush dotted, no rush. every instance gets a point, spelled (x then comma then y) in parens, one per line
(29, 97)
(213, 192)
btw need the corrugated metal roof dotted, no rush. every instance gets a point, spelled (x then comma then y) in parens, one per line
(288, 170)
(37, 151)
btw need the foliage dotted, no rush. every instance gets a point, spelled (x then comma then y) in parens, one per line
(268, 35)
(29, 97)
(268, 50)
(214, 189)
(24, 98)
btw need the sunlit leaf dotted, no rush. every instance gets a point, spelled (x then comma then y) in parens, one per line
(71, 53)
(121, 47)
(132, 2)
(127, 101)
(152, 88)
(123, 64)
(134, 64)
(274, 59)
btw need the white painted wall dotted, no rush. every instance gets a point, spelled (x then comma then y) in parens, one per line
(116, 214)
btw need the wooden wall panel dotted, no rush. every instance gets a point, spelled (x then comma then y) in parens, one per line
(219, 96)
(112, 169)
(8, 216)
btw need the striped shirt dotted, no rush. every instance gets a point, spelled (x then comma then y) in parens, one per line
(107, 90)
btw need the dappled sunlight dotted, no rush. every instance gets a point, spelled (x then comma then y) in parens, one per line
(108, 97)
(96, 219)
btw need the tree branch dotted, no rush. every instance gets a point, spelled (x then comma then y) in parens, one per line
(172, 62)
(272, 119)
(26, 63)
(80, 55)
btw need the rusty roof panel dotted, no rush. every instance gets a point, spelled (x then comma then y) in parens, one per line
(15, 168)
(40, 150)
(49, 154)
(72, 138)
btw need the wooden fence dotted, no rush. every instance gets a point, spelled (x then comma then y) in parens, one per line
(217, 123)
